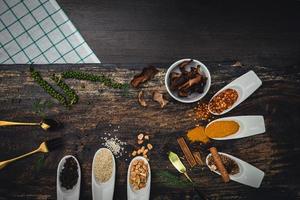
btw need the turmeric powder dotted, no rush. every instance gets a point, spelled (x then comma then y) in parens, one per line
(221, 129)
(197, 134)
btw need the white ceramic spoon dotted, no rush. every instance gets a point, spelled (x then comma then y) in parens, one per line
(103, 191)
(249, 125)
(248, 174)
(245, 85)
(62, 193)
(144, 193)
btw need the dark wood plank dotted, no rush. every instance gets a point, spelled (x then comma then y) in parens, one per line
(276, 152)
(141, 31)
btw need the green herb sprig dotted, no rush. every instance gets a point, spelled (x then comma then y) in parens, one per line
(40, 107)
(47, 87)
(94, 78)
(170, 180)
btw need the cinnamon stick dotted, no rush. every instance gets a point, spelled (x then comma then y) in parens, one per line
(186, 151)
(220, 166)
(198, 158)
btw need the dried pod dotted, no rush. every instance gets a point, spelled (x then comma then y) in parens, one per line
(157, 96)
(147, 74)
(141, 99)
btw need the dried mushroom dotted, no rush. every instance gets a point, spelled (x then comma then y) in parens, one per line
(187, 82)
(147, 74)
(157, 96)
(141, 99)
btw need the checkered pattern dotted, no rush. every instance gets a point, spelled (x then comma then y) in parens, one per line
(38, 31)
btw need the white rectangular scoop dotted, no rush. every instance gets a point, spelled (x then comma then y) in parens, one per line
(62, 193)
(249, 125)
(245, 85)
(144, 193)
(103, 191)
(248, 174)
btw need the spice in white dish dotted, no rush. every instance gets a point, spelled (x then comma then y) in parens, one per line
(103, 165)
(139, 173)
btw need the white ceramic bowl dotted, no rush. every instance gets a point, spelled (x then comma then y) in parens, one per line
(194, 96)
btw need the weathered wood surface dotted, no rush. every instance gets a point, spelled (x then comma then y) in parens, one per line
(276, 152)
(140, 31)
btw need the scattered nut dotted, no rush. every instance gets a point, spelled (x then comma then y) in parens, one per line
(140, 136)
(149, 146)
(146, 137)
(145, 151)
(140, 141)
(134, 153)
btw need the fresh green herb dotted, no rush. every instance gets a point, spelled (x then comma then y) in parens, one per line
(94, 78)
(170, 180)
(70, 93)
(40, 107)
(40, 162)
(47, 87)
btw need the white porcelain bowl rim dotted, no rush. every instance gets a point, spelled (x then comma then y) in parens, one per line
(183, 99)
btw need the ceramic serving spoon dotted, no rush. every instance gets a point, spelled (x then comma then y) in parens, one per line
(249, 125)
(144, 193)
(103, 191)
(62, 193)
(248, 174)
(245, 85)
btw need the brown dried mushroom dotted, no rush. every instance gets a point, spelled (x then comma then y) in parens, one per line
(147, 74)
(187, 82)
(141, 99)
(157, 96)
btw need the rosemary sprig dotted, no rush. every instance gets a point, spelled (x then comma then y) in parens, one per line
(170, 180)
(47, 87)
(94, 78)
(70, 93)
(40, 107)
(40, 162)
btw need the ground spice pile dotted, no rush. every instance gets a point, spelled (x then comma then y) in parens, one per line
(221, 129)
(202, 113)
(69, 174)
(103, 165)
(197, 134)
(114, 144)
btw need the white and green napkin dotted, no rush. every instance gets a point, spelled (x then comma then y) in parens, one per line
(38, 31)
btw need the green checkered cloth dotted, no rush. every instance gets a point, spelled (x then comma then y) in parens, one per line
(38, 31)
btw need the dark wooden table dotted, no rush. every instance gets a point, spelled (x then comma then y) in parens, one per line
(276, 152)
(141, 31)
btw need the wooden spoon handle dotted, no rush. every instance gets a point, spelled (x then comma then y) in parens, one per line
(220, 166)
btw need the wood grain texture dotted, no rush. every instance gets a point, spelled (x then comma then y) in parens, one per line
(276, 152)
(141, 31)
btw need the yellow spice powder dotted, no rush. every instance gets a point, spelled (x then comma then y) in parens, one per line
(221, 129)
(197, 134)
